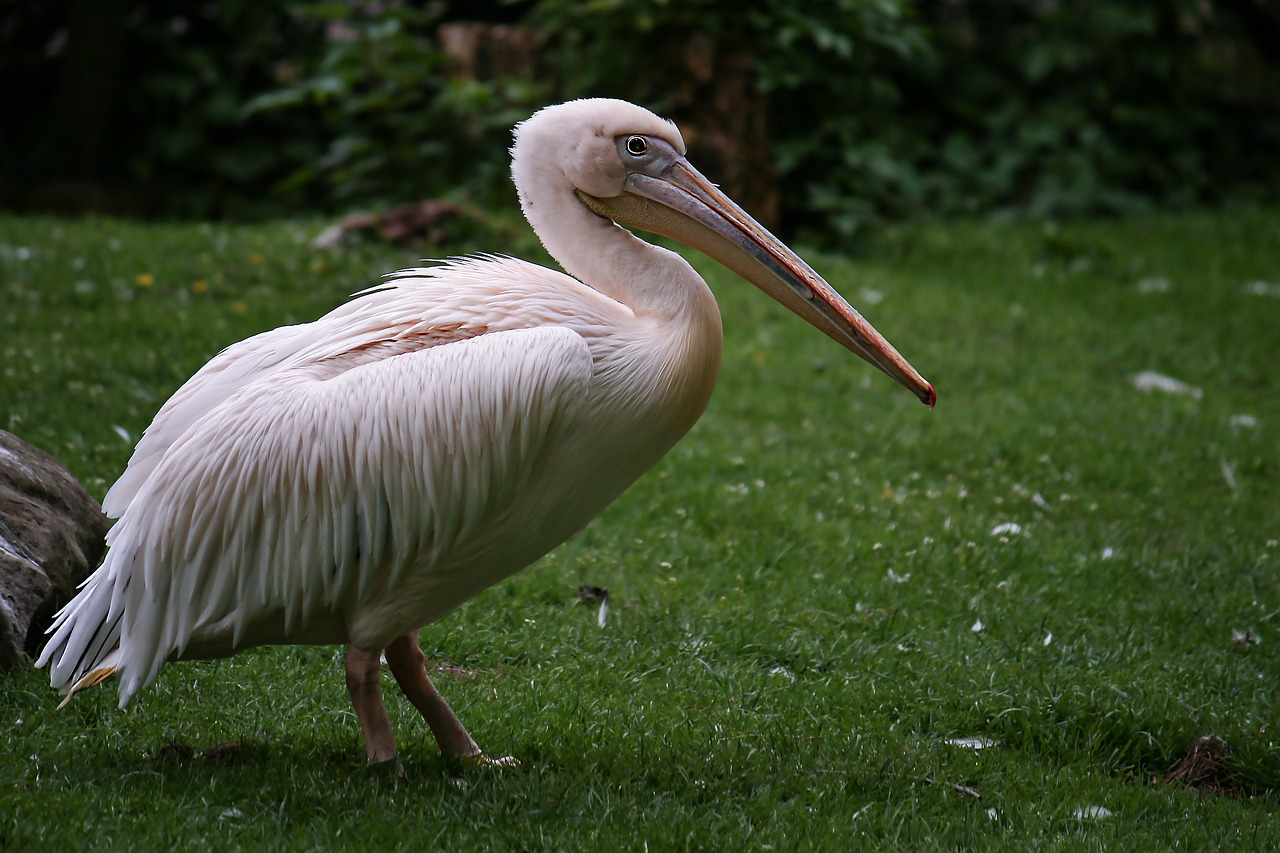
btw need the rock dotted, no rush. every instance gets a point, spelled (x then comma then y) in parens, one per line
(51, 536)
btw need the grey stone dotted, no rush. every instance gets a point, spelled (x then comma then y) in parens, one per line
(51, 536)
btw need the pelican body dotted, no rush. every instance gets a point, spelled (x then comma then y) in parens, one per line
(353, 479)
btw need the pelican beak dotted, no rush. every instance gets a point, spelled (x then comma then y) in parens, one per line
(678, 202)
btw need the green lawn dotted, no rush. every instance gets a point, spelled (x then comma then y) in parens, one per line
(812, 598)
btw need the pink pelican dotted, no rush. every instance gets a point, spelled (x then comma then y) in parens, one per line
(353, 479)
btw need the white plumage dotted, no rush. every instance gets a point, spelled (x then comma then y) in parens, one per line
(353, 479)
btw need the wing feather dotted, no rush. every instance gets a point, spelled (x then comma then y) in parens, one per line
(306, 492)
(417, 309)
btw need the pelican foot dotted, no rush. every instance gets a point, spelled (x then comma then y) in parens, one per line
(392, 766)
(483, 760)
(462, 763)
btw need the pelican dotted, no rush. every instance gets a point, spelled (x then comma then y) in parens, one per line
(350, 480)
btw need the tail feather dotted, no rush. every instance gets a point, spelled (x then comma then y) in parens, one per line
(93, 678)
(84, 648)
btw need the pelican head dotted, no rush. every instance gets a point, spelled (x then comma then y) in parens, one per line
(629, 166)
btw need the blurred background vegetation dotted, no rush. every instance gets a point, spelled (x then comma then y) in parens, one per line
(824, 116)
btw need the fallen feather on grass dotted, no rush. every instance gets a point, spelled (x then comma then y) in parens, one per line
(784, 672)
(961, 789)
(1092, 813)
(1229, 475)
(970, 742)
(1149, 380)
(588, 594)
(1262, 288)
(1244, 639)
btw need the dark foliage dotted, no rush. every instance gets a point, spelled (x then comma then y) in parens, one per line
(396, 122)
(892, 108)
(1069, 107)
(136, 106)
(861, 110)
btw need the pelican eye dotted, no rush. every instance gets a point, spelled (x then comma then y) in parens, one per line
(637, 146)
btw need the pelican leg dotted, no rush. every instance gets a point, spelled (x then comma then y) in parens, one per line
(409, 667)
(363, 670)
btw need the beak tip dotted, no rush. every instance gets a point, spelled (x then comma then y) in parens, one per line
(928, 396)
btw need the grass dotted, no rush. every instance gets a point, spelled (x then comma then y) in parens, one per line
(810, 596)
